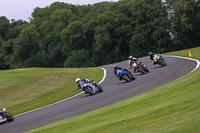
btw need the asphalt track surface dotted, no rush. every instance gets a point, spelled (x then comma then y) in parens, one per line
(114, 91)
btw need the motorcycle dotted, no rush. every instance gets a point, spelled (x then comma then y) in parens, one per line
(5, 116)
(158, 59)
(90, 87)
(125, 75)
(139, 66)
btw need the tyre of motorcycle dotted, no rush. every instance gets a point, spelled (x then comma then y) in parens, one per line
(162, 61)
(146, 70)
(159, 62)
(100, 89)
(9, 117)
(132, 77)
(141, 70)
(90, 90)
(126, 78)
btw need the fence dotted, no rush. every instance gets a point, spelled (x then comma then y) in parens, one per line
(4, 67)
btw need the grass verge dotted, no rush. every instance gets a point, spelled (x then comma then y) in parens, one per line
(30, 88)
(172, 108)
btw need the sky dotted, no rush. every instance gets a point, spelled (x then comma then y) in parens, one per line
(22, 9)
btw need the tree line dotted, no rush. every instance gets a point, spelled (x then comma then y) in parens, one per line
(66, 35)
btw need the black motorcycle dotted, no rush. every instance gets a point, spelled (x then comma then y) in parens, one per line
(5, 116)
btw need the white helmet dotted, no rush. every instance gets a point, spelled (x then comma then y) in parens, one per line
(130, 57)
(77, 80)
(134, 58)
(4, 109)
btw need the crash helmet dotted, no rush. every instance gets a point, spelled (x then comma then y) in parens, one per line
(134, 59)
(115, 66)
(150, 53)
(130, 57)
(77, 80)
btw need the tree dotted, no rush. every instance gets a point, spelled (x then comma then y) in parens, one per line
(1, 51)
(151, 32)
(4, 26)
(184, 17)
(72, 37)
(27, 45)
(16, 28)
(79, 58)
(106, 32)
(102, 44)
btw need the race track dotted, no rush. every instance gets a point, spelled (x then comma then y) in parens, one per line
(114, 91)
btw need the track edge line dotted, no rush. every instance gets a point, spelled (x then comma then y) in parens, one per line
(63, 99)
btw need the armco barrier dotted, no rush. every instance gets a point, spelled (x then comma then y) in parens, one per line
(4, 67)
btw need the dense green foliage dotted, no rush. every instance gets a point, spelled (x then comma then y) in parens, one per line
(65, 35)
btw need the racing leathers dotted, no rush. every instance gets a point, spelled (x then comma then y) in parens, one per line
(131, 64)
(88, 81)
(117, 68)
(151, 57)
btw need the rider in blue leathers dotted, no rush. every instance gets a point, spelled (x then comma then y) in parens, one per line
(79, 82)
(117, 68)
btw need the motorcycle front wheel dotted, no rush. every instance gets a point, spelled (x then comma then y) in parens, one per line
(89, 90)
(9, 117)
(126, 78)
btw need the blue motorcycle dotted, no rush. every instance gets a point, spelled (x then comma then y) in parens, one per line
(124, 75)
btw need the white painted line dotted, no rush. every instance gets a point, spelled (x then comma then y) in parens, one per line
(104, 76)
(197, 66)
(197, 61)
(63, 99)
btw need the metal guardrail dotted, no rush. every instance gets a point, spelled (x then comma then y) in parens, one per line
(4, 67)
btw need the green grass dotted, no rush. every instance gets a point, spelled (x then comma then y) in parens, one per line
(172, 108)
(185, 53)
(26, 89)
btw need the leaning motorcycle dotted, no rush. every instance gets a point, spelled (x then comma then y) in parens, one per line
(5, 116)
(90, 88)
(158, 59)
(125, 75)
(140, 67)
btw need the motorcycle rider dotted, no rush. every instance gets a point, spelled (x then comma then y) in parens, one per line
(2, 113)
(78, 81)
(117, 68)
(133, 60)
(151, 57)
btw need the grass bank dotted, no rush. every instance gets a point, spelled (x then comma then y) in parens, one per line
(26, 89)
(172, 108)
